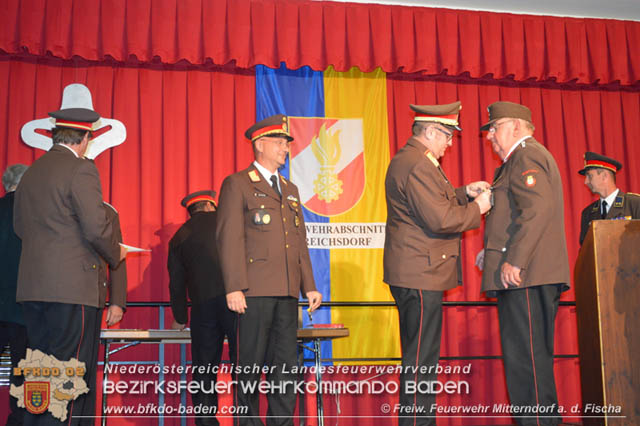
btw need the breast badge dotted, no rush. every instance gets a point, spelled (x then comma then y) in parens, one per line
(261, 217)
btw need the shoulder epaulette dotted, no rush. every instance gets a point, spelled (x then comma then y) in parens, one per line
(254, 176)
(432, 157)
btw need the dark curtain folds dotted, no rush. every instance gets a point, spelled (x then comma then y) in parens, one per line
(318, 34)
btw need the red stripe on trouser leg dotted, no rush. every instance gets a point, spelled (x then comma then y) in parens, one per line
(533, 364)
(77, 357)
(236, 420)
(415, 378)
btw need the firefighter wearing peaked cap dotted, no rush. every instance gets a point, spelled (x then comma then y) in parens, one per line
(265, 263)
(526, 265)
(600, 177)
(59, 278)
(194, 273)
(426, 216)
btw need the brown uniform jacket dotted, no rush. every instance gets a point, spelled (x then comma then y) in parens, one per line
(625, 205)
(261, 239)
(64, 230)
(525, 227)
(425, 216)
(116, 278)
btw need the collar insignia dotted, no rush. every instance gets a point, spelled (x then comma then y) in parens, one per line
(253, 175)
(432, 157)
(619, 202)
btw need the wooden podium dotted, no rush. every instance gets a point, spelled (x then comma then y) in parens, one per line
(607, 286)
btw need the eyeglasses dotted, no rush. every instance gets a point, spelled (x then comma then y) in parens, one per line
(447, 134)
(494, 126)
(282, 143)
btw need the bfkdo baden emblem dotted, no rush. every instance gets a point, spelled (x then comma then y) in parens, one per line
(36, 396)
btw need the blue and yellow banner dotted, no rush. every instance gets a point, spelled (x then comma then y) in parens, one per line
(338, 161)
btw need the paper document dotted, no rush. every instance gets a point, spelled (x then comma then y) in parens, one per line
(133, 249)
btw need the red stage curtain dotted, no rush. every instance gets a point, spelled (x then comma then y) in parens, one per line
(569, 121)
(184, 133)
(319, 34)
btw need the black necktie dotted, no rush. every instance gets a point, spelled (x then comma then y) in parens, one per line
(274, 185)
(604, 209)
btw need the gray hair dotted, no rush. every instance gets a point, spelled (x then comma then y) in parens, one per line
(13, 174)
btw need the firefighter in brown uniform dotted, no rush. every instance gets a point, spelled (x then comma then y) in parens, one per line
(526, 265)
(600, 176)
(66, 235)
(425, 218)
(194, 273)
(265, 264)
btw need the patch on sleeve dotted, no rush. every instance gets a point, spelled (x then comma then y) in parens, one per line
(528, 172)
(530, 180)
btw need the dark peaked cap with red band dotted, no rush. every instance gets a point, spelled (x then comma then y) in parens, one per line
(196, 197)
(446, 115)
(75, 118)
(276, 125)
(504, 109)
(593, 160)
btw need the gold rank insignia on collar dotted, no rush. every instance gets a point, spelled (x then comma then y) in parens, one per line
(283, 180)
(253, 175)
(619, 202)
(431, 157)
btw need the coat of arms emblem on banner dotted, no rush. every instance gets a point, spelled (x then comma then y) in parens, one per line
(327, 163)
(36, 397)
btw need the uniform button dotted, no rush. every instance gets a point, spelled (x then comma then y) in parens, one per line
(250, 260)
(286, 232)
(262, 206)
(444, 256)
(287, 245)
(93, 266)
(282, 206)
(504, 249)
(104, 284)
(284, 219)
